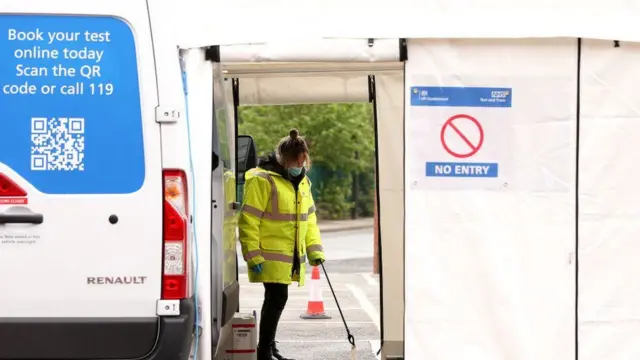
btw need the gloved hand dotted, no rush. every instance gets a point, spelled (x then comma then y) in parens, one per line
(257, 269)
(317, 262)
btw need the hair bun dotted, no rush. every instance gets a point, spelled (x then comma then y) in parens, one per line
(293, 134)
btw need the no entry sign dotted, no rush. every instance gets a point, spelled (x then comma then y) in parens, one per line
(471, 136)
(454, 121)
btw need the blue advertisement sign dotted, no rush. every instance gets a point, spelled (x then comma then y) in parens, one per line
(69, 92)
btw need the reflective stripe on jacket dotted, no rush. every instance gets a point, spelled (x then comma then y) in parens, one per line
(277, 224)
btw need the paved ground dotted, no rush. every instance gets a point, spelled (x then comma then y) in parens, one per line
(349, 265)
(327, 226)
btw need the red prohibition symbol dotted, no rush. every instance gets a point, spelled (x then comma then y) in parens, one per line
(473, 148)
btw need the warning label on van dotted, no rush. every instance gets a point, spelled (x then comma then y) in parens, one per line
(70, 93)
(13, 201)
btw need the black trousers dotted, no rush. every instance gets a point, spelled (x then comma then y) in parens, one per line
(275, 299)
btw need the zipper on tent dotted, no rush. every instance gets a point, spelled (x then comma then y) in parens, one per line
(577, 198)
(372, 99)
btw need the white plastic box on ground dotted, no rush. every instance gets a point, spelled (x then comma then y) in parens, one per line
(242, 343)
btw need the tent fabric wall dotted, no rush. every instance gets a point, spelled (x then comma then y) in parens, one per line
(490, 274)
(203, 23)
(390, 111)
(303, 89)
(305, 83)
(609, 293)
(309, 50)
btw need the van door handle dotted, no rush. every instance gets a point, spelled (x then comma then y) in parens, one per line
(21, 219)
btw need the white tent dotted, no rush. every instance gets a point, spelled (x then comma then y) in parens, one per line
(538, 268)
(251, 22)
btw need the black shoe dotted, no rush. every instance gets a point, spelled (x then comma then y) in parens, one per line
(276, 353)
(264, 353)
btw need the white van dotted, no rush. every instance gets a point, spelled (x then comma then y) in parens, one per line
(96, 194)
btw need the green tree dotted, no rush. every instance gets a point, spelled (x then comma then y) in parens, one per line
(334, 133)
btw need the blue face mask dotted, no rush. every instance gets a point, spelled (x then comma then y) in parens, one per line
(295, 171)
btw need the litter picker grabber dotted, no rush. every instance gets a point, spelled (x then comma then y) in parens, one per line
(350, 337)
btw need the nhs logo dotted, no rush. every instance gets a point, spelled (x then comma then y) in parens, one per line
(499, 94)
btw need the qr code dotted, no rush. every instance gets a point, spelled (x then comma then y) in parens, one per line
(57, 144)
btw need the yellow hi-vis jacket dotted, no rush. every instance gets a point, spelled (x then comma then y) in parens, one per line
(277, 224)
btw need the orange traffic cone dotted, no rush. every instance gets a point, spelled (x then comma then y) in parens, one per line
(315, 305)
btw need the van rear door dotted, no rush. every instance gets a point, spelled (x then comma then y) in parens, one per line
(81, 188)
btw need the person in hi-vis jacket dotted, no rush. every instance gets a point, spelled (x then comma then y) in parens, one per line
(279, 231)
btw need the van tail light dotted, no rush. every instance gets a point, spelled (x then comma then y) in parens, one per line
(175, 230)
